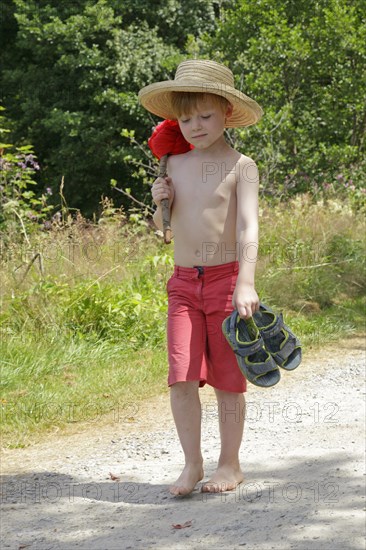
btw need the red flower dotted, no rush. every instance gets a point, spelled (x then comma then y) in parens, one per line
(167, 139)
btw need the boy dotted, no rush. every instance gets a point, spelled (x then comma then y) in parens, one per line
(213, 195)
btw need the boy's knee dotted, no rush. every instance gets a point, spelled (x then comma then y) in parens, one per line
(184, 388)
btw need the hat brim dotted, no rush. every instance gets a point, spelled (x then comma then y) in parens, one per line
(156, 98)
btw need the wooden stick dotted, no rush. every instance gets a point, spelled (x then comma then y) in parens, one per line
(165, 203)
(36, 256)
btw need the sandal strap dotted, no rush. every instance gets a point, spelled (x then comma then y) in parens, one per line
(233, 317)
(241, 349)
(260, 368)
(287, 349)
(272, 331)
(244, 351)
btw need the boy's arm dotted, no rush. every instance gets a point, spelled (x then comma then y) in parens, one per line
(245, 298)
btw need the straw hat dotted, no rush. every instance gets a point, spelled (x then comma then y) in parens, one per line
(201, 75)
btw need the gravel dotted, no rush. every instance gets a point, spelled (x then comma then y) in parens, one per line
(105, 487)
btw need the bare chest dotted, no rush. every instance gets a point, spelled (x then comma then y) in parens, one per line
(198, 190)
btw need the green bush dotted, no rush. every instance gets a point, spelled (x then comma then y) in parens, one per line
(19, 205)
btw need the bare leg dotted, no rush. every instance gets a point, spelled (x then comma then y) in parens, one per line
(186, 408)
(231, 407)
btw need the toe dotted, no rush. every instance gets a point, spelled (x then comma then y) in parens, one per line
(210, 487)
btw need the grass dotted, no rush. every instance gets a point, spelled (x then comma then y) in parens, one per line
(61, 382)
(83, 333)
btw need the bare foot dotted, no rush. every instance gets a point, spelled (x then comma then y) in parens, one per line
(187, 480)
(225, 478)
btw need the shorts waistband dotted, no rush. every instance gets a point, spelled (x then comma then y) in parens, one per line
(201, 271)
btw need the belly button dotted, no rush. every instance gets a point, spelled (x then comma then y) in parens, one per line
(197, 253)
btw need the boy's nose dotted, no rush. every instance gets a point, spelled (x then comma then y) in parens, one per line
(196, 123)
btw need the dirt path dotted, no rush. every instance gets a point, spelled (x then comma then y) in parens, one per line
(303, 457)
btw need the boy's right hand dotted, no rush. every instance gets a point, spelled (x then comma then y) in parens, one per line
(163, 189)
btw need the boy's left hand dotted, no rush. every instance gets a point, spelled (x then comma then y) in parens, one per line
(245, 300)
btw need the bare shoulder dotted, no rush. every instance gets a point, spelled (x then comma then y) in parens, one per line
(246, 161)
(248, 170)
(176, 161)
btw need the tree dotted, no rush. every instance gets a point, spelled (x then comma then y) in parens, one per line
(73, 87)
(304, 62)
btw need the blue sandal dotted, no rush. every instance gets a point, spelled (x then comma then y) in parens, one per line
(254, 361)
(279, 340)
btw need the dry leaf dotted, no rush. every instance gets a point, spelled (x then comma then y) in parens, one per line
(182, 525)
(113, 477)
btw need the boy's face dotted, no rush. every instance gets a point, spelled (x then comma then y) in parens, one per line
(205, 124)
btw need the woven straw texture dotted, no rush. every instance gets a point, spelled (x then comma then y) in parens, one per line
(199, 75)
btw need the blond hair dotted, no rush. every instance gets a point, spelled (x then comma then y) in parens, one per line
(183, 103)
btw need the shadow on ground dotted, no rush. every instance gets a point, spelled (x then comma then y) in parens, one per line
(299, 504)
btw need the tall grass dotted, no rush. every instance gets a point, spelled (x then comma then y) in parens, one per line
(312, 253)
(83, 331)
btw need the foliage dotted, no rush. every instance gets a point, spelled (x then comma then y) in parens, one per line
(110, 284)
(133, 313)
(94, 57)
(19, 205)
(91, 328)
(78, 291)
(130, 314)
(312, 255)
(305, 63)
(173, 19)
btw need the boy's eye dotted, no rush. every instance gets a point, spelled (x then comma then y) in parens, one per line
(184, 120)
(206, 116)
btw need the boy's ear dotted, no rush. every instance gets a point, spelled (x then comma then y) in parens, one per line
(229, 111)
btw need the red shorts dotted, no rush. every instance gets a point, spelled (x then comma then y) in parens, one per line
(199, 299)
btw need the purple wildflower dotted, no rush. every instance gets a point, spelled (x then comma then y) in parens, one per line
(49, 191)
(57, 216)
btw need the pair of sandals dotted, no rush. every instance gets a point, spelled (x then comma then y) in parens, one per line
(261, 344)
